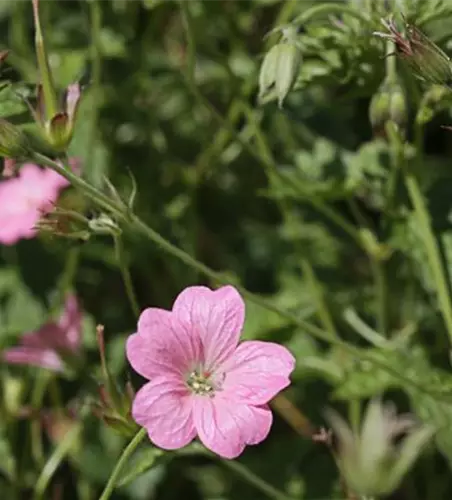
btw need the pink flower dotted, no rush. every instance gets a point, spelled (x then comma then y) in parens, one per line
(46, 346)
(24, 199)
(202, 381)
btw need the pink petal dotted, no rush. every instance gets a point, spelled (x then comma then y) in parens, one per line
(163, 344)
(215, 316)
(70, 324)
(164, 407)
(44, 358)
(256, 372)
(227, 428)
(46, 337)
(72, 99)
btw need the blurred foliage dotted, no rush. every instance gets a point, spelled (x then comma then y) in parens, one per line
(304, 205)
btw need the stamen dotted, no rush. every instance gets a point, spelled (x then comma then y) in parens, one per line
(200, 384)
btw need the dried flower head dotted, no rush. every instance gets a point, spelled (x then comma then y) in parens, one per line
(371, 462)
(425, 58)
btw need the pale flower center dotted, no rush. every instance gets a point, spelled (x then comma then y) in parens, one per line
(200, 383)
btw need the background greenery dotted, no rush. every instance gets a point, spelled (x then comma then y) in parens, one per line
(253, 191)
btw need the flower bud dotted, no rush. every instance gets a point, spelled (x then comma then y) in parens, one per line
(280, 68)
(427, 61)
(388, 104)
(55, 117)
(104, 225)
(13, 142)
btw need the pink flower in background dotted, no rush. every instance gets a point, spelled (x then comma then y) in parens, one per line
(24, 199)
(45, 346)
(202, 381)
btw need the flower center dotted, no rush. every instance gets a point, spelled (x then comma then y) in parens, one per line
(200, 383)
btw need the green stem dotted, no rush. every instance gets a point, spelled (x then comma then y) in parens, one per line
(239, 469)
(380, 299)
(251, 478)
(190, 33)
(94, 194)
(96, 69)
(329, 8)
(270, 167)
(322, 309)
(128, 451)
(40, 385)
(135, 222)
(52, 464)
(431, 247)
(126, 276)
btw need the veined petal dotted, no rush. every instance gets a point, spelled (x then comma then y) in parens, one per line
(256, 372)
(227, 428)
(164, 407)
(163, 344)
(216, 317)
(43, 358)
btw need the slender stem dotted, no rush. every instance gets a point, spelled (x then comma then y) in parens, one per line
(128, 451)
(96, 69)
(293, 416)
(380, 298)
(190, 32)
(41, 382)
(322, 309)
(271, 169)
(251, 478)
(364, 330)
(60, 452)
(135, 222)
(431, 247)
(126, 276)
(238, 468)
(97, 196)
(329, 8)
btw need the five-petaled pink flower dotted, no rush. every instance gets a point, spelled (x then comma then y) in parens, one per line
(24, 199)
(202, 381)
(47, 346)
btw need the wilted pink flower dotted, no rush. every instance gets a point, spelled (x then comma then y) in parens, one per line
(24, 199)
(202, 381)
(46, 346)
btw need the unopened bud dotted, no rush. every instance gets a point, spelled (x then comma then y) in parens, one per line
(388, 104)
(13, 142)
(280, 68)
(104, 225)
